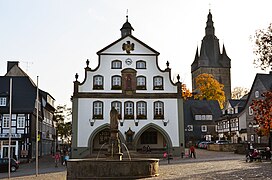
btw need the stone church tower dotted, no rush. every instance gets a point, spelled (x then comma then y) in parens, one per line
(211, 61)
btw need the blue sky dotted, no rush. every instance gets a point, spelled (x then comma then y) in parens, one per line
(52, 39)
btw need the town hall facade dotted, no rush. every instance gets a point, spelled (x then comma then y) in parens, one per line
(127, 78)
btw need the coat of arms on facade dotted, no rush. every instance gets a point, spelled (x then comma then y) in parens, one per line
(128, 47)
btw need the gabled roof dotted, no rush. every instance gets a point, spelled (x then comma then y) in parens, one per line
(122, 38)
(44, 95)
(201, 107)
(23, 93)
(265, 79)
(14, 70)
(237, 102)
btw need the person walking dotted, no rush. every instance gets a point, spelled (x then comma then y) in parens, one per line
(192, 151)
(57, 158)
(66, 158)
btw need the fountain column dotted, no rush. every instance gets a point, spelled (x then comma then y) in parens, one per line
(114, 147)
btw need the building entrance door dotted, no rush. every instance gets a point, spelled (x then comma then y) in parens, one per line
(12, 151)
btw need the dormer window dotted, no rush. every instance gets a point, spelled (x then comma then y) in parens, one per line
(141, 64)
(3, 101)
(116, 64)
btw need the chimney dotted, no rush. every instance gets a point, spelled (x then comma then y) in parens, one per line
(11, 64)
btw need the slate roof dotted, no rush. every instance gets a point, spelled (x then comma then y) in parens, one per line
(210, 55)
(266, 80)
(198, 107)
(23, 94)
(237, 102)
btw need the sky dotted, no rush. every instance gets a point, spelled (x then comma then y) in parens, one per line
(53, 39)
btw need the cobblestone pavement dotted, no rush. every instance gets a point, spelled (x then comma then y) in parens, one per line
(225, 169)
(207, 165)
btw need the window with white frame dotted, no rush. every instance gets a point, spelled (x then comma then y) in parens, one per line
(158, 110)
(129, 110)
(209, 117)
(116, 64)
(116, 82)
(141, 110)
(158, 83)
(236, 109)
(140, 64)
(203, 128)
(141, 82)
(203, 117)
(197, 117)
(250, 111)
(3, 101)
(257, 94)
(98, 82)
(98, 110)
(252, 138)
(230, 111)
(20, 121)
(5, 121)
(118, 106)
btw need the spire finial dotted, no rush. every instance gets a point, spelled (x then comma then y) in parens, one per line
(87, 62)
(178, 78)
(210, 7)
(127, 15)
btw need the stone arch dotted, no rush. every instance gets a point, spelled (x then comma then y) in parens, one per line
(158, 128)
(96, 131)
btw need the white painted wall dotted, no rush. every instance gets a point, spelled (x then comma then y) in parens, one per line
(85, 104)
(85, 113)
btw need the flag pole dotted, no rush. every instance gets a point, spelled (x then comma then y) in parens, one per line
(37, 126)
(10, 101)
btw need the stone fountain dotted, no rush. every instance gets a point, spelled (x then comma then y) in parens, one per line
(113, 166)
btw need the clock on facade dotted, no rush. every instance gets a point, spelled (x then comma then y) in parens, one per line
(128, 61)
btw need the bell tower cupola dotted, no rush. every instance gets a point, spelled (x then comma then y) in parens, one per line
(126, 29)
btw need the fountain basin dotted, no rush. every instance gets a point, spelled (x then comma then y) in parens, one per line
(112, 169)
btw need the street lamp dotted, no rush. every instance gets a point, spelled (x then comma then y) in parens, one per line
(91, 121)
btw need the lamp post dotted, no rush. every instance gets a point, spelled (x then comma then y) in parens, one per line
(270, 137)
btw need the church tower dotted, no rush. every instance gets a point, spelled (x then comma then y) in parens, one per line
(209, 60)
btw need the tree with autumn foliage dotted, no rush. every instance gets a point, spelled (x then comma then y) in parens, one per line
(239, 92)
(263, 47)
(263, 112)
(186, 93)
(207, 87)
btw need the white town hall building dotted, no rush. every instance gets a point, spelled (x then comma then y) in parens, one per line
(149, 103)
